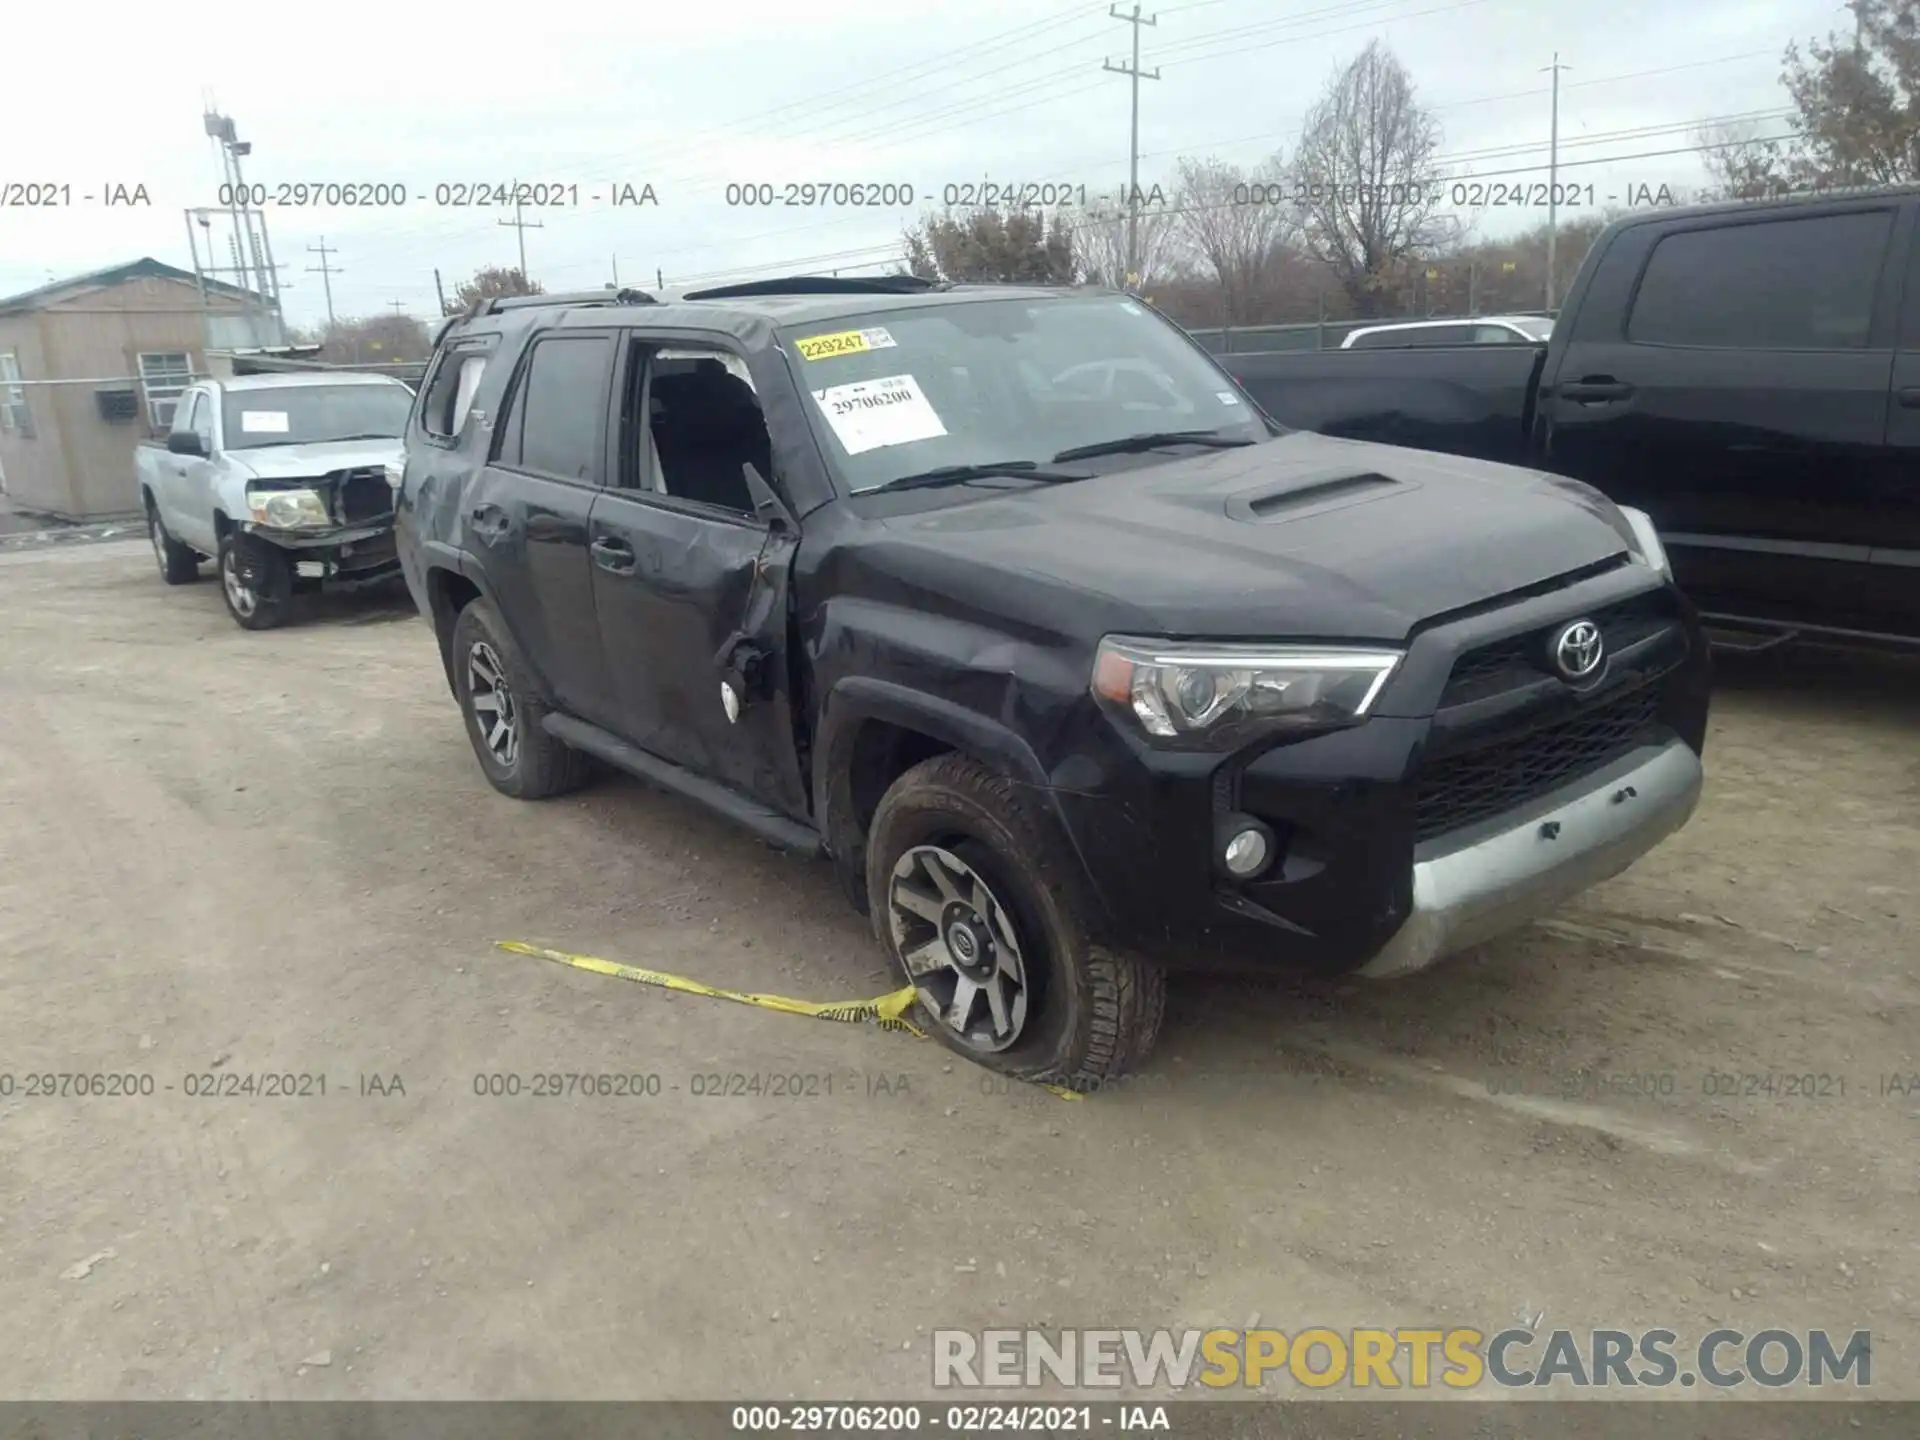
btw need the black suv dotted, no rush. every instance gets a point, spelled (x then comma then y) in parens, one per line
(1014, 604)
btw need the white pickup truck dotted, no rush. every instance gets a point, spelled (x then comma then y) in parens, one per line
(285, 481)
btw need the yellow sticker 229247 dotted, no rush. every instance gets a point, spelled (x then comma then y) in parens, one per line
(843, 342)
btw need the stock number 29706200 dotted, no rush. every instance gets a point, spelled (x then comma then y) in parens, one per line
(553, 1085)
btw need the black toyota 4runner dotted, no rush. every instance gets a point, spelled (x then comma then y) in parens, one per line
(1012, 603)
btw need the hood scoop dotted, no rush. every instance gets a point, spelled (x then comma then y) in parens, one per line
(1312, 494)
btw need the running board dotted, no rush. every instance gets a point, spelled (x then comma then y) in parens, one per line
(771, 826)
(1766, 634)
(1740, 641)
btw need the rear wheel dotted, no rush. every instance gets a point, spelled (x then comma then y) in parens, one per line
(504, 713)
(256, 581)
(179, 565)
(975, 897)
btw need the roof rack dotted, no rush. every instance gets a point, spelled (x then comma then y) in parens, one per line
(820, 285)
(497, 303)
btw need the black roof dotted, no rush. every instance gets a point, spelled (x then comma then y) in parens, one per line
(1798, 201)
(756, 305)
(143, 268)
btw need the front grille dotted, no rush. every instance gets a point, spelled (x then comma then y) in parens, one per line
(1519, 661)
(363, 495)
(1506, 773)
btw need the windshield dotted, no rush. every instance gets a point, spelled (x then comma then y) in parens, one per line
(308, 414)
(988, 381)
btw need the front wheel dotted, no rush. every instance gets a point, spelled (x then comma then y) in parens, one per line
(179, 565)
(256, 581)
(974, 896)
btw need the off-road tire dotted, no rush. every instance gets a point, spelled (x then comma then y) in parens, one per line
(1094, 1011)
(544, 765)
(273, 581)
(179, 564)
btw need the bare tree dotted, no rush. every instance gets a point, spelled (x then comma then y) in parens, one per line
(490, 281)
(1231, 224)
(1742, 165)
(1100, 245)
(1365, 176)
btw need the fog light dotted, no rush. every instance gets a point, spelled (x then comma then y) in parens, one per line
(1246, 853)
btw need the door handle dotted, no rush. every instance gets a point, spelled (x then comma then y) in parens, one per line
(613, 556)
(1909, 398)
(1598, 388)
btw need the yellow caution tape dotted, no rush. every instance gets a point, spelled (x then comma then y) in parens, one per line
(889, 1012)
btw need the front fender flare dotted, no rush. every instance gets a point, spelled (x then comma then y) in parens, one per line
(856, 699)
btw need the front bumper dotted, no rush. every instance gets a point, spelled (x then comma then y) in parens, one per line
(1528, 863)
(1414, 835)
(346, 557)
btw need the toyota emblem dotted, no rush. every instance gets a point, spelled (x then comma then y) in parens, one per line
(1578, 650)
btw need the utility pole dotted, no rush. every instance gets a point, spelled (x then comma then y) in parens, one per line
(1136, 20)
(616, 271)
(659, 280)
(1553, 179)
(440, 290)
(521, 226)
(326, 273)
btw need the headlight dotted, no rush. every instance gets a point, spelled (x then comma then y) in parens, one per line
(1646, 540)
(1195, 696)
(289, 509)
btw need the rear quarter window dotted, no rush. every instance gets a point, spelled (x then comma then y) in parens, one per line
(1802, 283)
(448, 393)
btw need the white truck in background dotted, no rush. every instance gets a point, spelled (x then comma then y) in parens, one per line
(284, 481)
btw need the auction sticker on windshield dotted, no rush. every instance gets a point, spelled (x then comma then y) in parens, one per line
(869, 414)
(843, 342)
(263, 422)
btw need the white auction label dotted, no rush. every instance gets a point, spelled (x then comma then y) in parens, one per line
(263, 422)
(870, 414)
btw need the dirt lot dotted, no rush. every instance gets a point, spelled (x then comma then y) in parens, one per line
(224, 853)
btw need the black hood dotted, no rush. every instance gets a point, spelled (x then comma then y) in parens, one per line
(1301, 537)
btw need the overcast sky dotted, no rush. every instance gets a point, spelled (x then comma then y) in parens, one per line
(689, 97)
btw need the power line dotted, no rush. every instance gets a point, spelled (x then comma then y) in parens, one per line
(520, 226)
(326, 273)
(1499, 151)
(700, 142)
(917, 128)
(980, 108)
(1553, 180)
(1136, 75)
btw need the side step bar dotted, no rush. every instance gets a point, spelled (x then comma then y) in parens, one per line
(771, 826)
(1743, 641)
(1727, 632)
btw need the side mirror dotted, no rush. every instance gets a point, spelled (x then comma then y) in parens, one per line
(185, 442)
(766, 504)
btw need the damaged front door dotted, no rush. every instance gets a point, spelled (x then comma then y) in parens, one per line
(690, 577)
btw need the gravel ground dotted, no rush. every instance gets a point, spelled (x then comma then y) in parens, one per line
(234, 854)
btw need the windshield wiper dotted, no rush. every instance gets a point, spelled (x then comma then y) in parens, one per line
(960, 474)
(1152, 440)
(342, 439)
